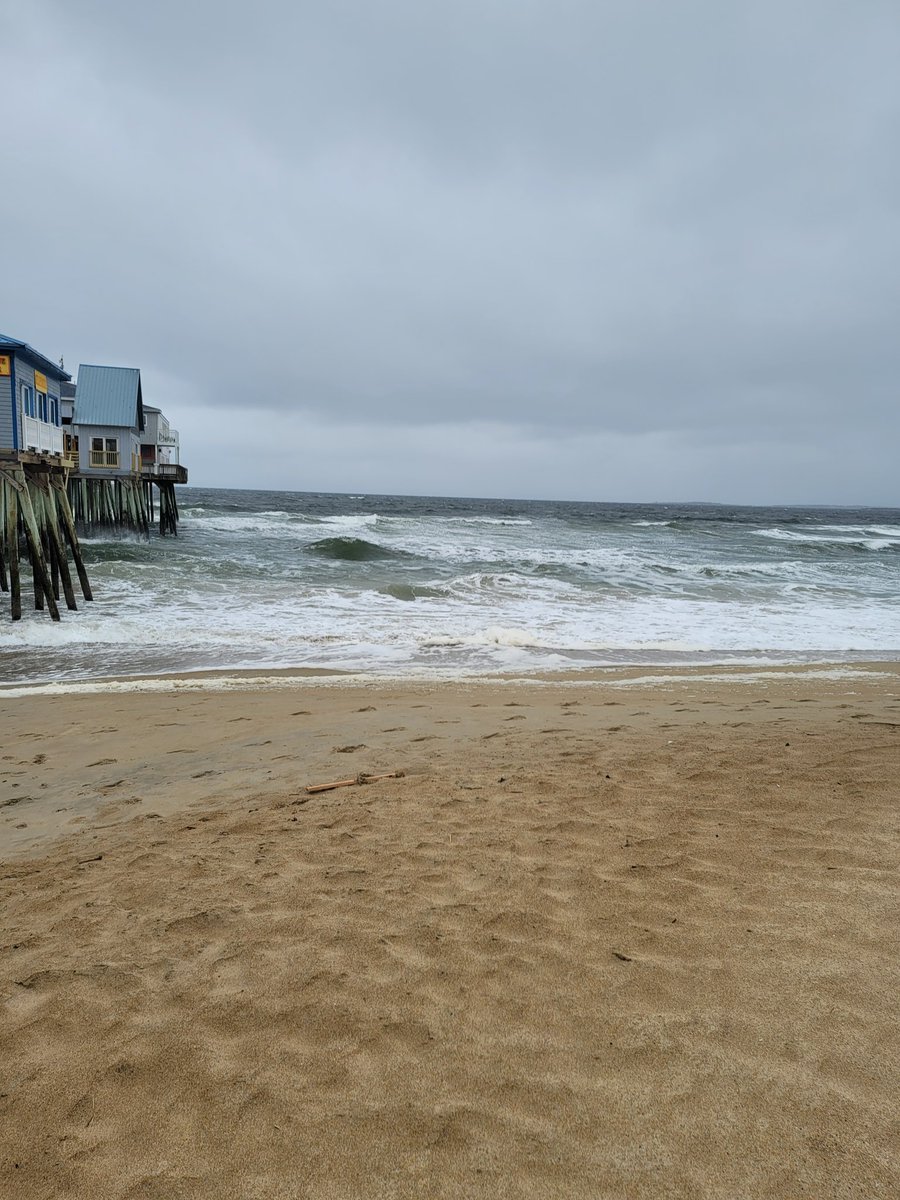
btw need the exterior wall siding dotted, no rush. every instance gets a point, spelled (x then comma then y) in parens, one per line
(12, 405)
(24, 374)
(11, 399)
(151, 423)
(129, 443)
(6, 412)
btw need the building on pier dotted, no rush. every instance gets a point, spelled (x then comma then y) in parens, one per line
(30, 414)
(72, 455)
(36, 521)
(124, 449)
(160, 448)
(108, 421)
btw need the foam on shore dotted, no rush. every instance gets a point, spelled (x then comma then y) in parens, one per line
(295, 679)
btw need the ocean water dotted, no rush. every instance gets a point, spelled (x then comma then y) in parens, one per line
(420, 586)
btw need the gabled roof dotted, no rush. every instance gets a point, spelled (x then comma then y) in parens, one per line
(43, 364)
(109, 396)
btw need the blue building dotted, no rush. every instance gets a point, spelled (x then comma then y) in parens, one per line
(108, 420)
(30, 417)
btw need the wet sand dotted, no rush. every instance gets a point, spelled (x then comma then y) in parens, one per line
(630, 939)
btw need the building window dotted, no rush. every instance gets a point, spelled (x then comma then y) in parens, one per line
(54, 410)
(104, 452)
(28, 400)
(42, 406)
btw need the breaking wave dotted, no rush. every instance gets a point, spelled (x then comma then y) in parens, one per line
(351, 549)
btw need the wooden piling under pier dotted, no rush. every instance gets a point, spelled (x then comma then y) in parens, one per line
(35, 518)
(168, 509)
(123, 505)
(109, 503)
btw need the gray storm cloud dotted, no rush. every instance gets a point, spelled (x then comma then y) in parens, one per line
(493, 235)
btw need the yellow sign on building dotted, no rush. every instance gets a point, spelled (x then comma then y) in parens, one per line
(40, 382)
(4, 364)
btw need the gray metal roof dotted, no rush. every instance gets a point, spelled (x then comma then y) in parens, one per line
(109, 396)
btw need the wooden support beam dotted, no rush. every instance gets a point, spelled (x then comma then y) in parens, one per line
(57, 547)
(4, 582)
(12, 547)
(43, 589)
(68, 524)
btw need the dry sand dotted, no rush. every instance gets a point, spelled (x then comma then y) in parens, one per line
(601, 941)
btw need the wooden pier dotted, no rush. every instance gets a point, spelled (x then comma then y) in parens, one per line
(75, 459)
(164, 477)
(108, 504)
(125, 503)
(37, 526)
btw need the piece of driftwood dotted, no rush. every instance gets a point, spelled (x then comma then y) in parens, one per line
(358, 779)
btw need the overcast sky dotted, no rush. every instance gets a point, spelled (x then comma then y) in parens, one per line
(615, 251)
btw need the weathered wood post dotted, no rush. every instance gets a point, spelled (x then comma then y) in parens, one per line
(4, 584)
(42, 586)
(12, 548)
(68, 524)
(57, 548)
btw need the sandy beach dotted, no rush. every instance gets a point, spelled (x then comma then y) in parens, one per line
(621, 936)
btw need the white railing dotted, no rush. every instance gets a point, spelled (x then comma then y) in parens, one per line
(41, 436)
